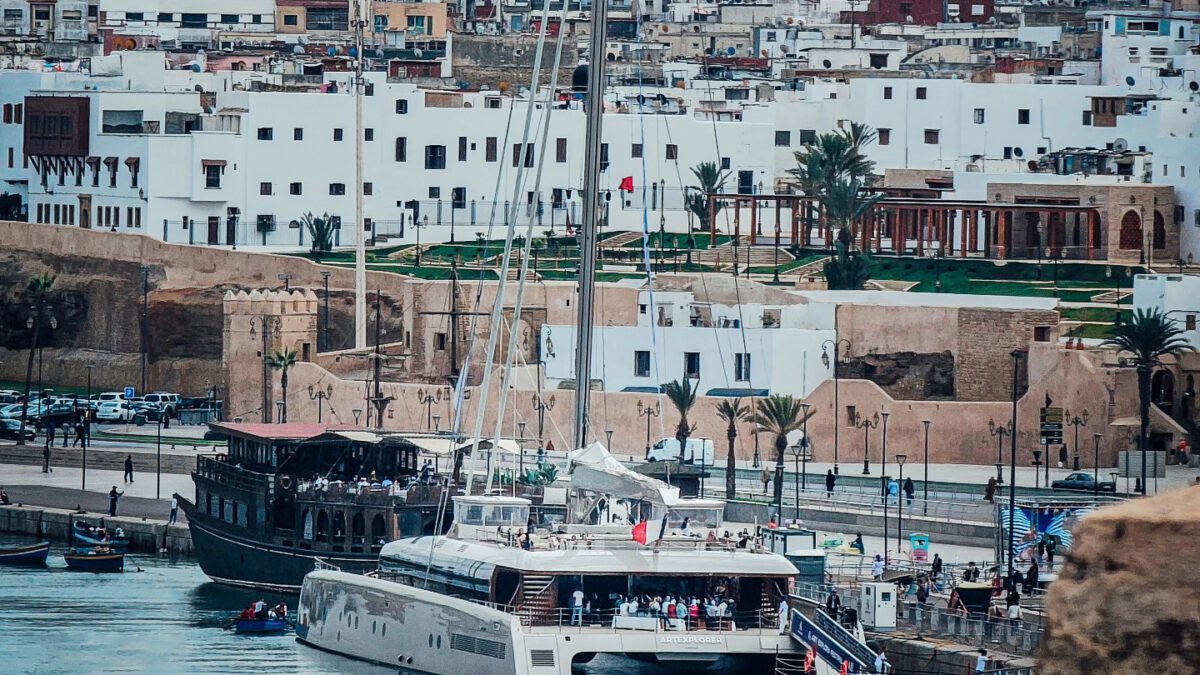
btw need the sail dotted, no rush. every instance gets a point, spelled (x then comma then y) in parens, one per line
(596, 470)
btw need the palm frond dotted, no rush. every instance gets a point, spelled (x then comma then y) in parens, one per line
(1148, 336)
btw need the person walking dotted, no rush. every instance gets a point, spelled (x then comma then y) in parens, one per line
(936, 570)
(877, 568)
(49, 433)
(128, 468)
(79, 434)
(766, 480)
(909, 490)
(174, 510)
(830, 483)
(893, 489)
(833, 604)
(989, 492)
(1051, 549)
(46, 459)
(113, 496)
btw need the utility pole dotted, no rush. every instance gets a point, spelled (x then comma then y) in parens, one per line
(145, 319)
(360, 242)
(455, 314)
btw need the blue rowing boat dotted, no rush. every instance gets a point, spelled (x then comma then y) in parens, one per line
(25, 555)
(89, 535)
(260, 626)
(95, 560)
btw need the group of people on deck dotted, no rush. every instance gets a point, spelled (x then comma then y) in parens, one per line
(712, 611)
(259, 610)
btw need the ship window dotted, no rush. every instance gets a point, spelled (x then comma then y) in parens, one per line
(373, 627)
(384, 630)
(322, 525)
(378, 529)
(358, 528)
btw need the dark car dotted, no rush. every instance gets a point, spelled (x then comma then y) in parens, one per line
(11, 429)
(1083, 481)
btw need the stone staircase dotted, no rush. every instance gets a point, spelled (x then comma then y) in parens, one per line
(721, 256)
(98, 458)
(620, 240)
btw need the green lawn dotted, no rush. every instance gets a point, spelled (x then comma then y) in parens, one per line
(1091, 330)
(987, 277)
(1102, 314)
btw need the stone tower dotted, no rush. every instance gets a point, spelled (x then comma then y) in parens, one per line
(258, 324)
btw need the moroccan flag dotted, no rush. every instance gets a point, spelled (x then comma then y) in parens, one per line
(639, 533)
(626, 184)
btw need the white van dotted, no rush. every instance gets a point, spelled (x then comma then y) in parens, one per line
(697, 449)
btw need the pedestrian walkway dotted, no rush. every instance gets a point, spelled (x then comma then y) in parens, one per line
(98, 481)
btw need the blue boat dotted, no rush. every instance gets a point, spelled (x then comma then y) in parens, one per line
(25, 555)
(95, 560)
(90, 535)
(260, 626)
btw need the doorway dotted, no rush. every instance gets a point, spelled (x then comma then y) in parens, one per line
(214, 230)
(85, 211)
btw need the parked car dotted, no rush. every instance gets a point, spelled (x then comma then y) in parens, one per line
(1081, 480)
(114, 411)
(10, 392)
(165, 401)
(11, 429)
(110, 396)
(9, 398)
(13, 411)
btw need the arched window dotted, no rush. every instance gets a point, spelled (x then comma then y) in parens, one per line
(1131, 231)
(322, 525)
(378, 529)
(358, 527)
(339, 526)
(1160, 231)
(308, 524)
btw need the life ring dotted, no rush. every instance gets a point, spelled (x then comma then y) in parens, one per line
(285, 482)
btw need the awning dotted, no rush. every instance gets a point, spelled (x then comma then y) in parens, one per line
(595, 469)
(503, 445)
(212, 162)
(434, 446)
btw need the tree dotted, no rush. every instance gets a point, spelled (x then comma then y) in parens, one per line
(712, 181)
(731, 412)
(847, 270)
(37, 288)
(282, 360)
(779, 415)
(832, 160)
(320, 230)
(682, 395)
(1149, 335)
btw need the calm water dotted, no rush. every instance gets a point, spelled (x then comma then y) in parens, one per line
(168, 618)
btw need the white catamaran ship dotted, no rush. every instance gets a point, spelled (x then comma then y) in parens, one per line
(486, 599)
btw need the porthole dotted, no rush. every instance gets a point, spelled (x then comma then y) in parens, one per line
(372, 628)
(439, 642)
(383, 631)
(431, 640)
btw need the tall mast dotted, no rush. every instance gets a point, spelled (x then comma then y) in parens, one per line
(587, 223)
(360, 241)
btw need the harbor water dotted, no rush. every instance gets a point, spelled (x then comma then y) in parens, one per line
(161, 615)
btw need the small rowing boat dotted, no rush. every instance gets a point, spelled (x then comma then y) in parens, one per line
(90, 535)
(260, 626)
(25, 555)
(95, 560)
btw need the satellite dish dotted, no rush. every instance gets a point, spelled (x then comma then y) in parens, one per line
(1018, 152)
(1194, 85)
(1129, 80)
(1033, 165)
(297, 49)
(1120, 145)
(765, 53)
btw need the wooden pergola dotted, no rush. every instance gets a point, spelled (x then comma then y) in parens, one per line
(901, 225)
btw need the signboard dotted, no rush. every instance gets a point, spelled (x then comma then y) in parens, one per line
(129, 393)
(1052, 426)
(1130, 464)
(826, 647)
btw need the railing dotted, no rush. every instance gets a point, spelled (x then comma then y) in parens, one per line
(322, 565)
(571, 542)
(976, 511)
(241, 479)
(564, 619)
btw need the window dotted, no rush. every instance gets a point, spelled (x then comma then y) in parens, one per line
(229, 18)
(1008, 152)
(435, 157)
(725, 164)
(134, 16)
(885, 136)
(439, 341)
(921, 93)
(368, 189)
(604, 156)
(1023, 116)
(741, 367)
(462, 148)
(401, 149)
(1041, 333)
(368, 134)
(931, 137)
(516, 154)
(783, 139)
(808, 136)
(691, 364)
(264, 188)
(1087, 118)
(560, 151)
(296, 188)
(291, 20)
(297, 134)
(672, 151)
(435, 193)
(458, 198)
(266, 133)
(887, 92)
(337, 134)
(1189, 322)
(337, 189)
(635, 151)
(737, 94)
(212, 177)
(401, 106)
(165, 17)
(641, 364)
(489, 149)
(256, 18)
(980, 116)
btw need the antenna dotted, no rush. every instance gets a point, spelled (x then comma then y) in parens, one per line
(1120, 145)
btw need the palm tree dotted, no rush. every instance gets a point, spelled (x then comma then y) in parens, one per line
(779, 415)
(320, 229)
(281, 361)
(732, 412)
(832, 159)
(712, 181)
(682, 395)
(1149, 335)
(37, 287)
(845, 203)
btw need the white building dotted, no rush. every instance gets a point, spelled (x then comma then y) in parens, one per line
(763, 346)
(1176, 295)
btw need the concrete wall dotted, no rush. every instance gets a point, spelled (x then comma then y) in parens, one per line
(145, 535)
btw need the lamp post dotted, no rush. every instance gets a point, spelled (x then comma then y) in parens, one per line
(883, 480)
(541, 405)
(158, 456)
(999, 432)
(646, 410)
(925, 496)
(866, 425)
(836, 344)
(1119, 274)
(1037, 464)
(1054, 257)
(936, 255)
(805, 407)
(87, 412)
(419, 225)
(1096, 465)
(320, 396)
(521, 446)
(883, 452)
(776, 280)
(427, 399)
(40, 315)
(1012, 475)
(1077, 421)
(900, 459)
(323, 344)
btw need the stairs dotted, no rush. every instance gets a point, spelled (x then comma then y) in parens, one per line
(98, 458)
(721, 256)
(620, 240)
(537, 598)
(815, 268)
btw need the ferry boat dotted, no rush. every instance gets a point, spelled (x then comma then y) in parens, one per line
(481, 600)
(288, 495)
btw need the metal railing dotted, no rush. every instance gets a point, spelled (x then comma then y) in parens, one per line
(975, 511)
(1013, 636)
(564, 619)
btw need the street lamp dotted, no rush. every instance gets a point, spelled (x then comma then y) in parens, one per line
(925, 507)
(521, 446)
(541, 405)
(427, 399)
(1077, 422)
(861, 422)
(41, 311)
(1096, 465)
(999, 432)
(1054, 257)
(1037, 464)
(320, 396)
(646, 410)
(804, 407)
(1012, 475)
(777, 252)
(900, 459)
(1119, 274)
(883, 452)
(799, 452)
(836, 344)
(936, 255)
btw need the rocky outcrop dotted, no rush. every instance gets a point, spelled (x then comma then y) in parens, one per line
(1127, 600)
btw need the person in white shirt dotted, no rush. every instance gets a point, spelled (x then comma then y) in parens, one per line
(633, 606)
(783, 615)
(577, 607)
(880, 661)
(877, 568)
(981, 661)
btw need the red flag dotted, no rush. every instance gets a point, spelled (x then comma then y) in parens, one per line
(626, 184)
(639, 533)
(845, 667)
